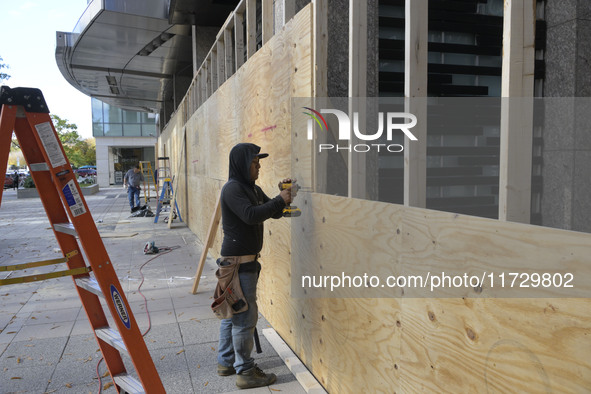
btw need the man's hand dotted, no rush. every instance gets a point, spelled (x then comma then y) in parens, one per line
(124, 186)
(286, 195)
(294, 189)
(291, 192)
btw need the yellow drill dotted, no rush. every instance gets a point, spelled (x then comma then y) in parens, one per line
(291, 211)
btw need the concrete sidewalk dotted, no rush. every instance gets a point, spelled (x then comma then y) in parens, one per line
(46, 343)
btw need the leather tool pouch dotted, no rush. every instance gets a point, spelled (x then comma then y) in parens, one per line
(228, 296)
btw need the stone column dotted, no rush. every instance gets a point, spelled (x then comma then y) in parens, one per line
(566, 169)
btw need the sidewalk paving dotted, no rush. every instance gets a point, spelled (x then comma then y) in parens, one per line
(46, 343)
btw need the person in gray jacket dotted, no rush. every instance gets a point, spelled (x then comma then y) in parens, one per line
(132, 181)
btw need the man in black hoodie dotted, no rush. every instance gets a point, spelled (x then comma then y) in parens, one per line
(244, 209)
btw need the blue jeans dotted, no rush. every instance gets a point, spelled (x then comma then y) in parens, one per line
(237, 333)
(131, 192)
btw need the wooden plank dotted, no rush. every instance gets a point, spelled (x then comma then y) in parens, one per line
(221, 62)
(239, 39)
(194, 49)
(208, 83)
(268, 20)
(251, 28)
(213, 226)
(320, 87)
(356, 175)
(229, 53)
(180, 160)
(415, 86)
(214, 69)
(517, 111)
(306, 379)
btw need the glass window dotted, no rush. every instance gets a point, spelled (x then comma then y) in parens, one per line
(149, 130)
(112, 114)
(113, 130)
(97, 110)
(131, 117)
(97, 130)
(132, 130)
(145, 117)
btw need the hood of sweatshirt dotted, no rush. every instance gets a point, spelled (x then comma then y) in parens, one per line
(241, 157)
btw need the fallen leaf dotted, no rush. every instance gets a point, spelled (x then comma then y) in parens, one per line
(272, 389)
(18, 360)
(181, 351)
(69, 385)
(162, 358)
(206, 383)
(105, 374)
(106, 386)
(198, 366)
(16, 377)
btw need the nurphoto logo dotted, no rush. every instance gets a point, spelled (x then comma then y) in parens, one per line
(344, 130)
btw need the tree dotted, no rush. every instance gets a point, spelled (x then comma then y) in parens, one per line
(3, 75)
(80, 152)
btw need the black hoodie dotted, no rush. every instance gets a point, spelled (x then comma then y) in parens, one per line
(244, 205)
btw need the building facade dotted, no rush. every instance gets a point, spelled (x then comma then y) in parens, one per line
(123, 139)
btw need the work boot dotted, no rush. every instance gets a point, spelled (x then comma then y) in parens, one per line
(225, 371)
(254, 377)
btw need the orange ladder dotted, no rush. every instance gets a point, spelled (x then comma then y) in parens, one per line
(25, 112)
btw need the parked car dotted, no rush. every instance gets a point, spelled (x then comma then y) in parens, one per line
(84, 172)
(8, 181)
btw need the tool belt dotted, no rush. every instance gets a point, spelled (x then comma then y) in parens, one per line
(228, 296)
(240, 259)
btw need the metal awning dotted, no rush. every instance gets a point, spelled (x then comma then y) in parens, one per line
(127, 53)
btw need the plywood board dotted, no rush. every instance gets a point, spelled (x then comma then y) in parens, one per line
(392, 344)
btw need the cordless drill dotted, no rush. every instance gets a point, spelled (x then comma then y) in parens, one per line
(291, 211)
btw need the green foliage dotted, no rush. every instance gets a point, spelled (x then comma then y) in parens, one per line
(29, 184)
(3, 75)
(80, 152)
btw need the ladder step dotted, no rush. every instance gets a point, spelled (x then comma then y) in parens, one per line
(129, 384)
(39, 167)
(67, 228)
(90, 284)
(112, 337)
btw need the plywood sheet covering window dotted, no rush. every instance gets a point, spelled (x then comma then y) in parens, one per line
(435, 345)
(355, 345)
(251, 106)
